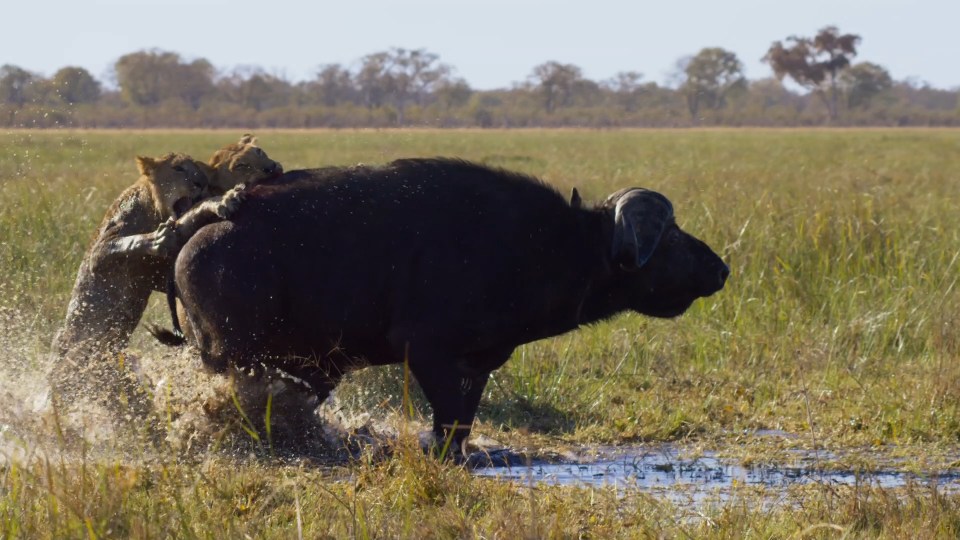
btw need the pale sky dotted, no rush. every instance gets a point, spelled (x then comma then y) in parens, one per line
(490, 43)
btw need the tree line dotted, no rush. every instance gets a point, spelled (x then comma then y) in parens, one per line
(404, 87)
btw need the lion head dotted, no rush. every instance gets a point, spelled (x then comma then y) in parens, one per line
(175, 181)
(242, 162)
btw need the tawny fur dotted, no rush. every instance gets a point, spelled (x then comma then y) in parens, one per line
(132, 255)
(123, 265)
(242, 162)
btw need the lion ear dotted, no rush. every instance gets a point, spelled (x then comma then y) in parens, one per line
(207, 170)
(146, 165)
(247, 138)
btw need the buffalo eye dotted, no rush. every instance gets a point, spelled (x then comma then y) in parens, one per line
(671, 237)
(179, 168)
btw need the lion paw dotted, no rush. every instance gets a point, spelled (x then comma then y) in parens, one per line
(231, 201)
(164, 241)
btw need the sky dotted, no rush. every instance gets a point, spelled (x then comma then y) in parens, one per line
(490, 43)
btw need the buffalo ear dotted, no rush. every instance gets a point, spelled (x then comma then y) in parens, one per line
(247, 138)
(575, 200)
(640, 217)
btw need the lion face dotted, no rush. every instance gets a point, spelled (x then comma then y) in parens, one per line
(242, 162)
(176, 181)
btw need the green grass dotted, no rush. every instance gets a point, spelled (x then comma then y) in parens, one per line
(839, 324)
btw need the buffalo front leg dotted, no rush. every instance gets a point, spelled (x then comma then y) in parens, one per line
(454, 397)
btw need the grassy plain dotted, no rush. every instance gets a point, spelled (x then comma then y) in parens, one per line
(840, 325)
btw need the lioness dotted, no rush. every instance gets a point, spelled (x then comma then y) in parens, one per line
(240, 163)
(131, 254)
(230, 170)
(125, 262)
(122, 266)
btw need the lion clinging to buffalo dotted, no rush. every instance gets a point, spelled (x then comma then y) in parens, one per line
(442, 263)
(130, 255)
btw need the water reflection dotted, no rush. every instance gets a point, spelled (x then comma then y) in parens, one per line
(664, 467)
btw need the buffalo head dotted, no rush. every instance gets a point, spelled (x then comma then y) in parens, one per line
(662, 268)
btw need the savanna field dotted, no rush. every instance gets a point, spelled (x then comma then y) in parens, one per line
(837, 332)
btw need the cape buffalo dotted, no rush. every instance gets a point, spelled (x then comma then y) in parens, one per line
(445, 263)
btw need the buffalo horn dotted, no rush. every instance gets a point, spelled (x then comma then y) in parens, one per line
(640, 217)
(575, 200)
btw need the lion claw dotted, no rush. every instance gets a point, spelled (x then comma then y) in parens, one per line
(165, 239)
(231, 201)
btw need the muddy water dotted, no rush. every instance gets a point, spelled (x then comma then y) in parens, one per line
(190, 406)
(665, 470)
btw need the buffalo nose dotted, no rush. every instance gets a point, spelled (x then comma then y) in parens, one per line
(724, 273)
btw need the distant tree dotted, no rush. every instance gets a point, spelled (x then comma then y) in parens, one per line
(453, 93)
(709, 78)
(399, 76)
(586, 93)
(373, 79)
(556, 83)
(256, 89)
(193, 82)
(149, 77)
(14, 84)
(419, 72)
(627, 88)
(770, 93)
(922, 94)
(143, 76)
(863, 82)
(76, 85)
(815, 63)
(334, 85)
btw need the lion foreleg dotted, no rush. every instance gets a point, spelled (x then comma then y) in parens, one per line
(209, 211)
(161, 243)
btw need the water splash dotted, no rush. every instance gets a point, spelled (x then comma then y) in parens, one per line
(196, 413)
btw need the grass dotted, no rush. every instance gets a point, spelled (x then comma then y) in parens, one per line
(839, 324)
(414, 496)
